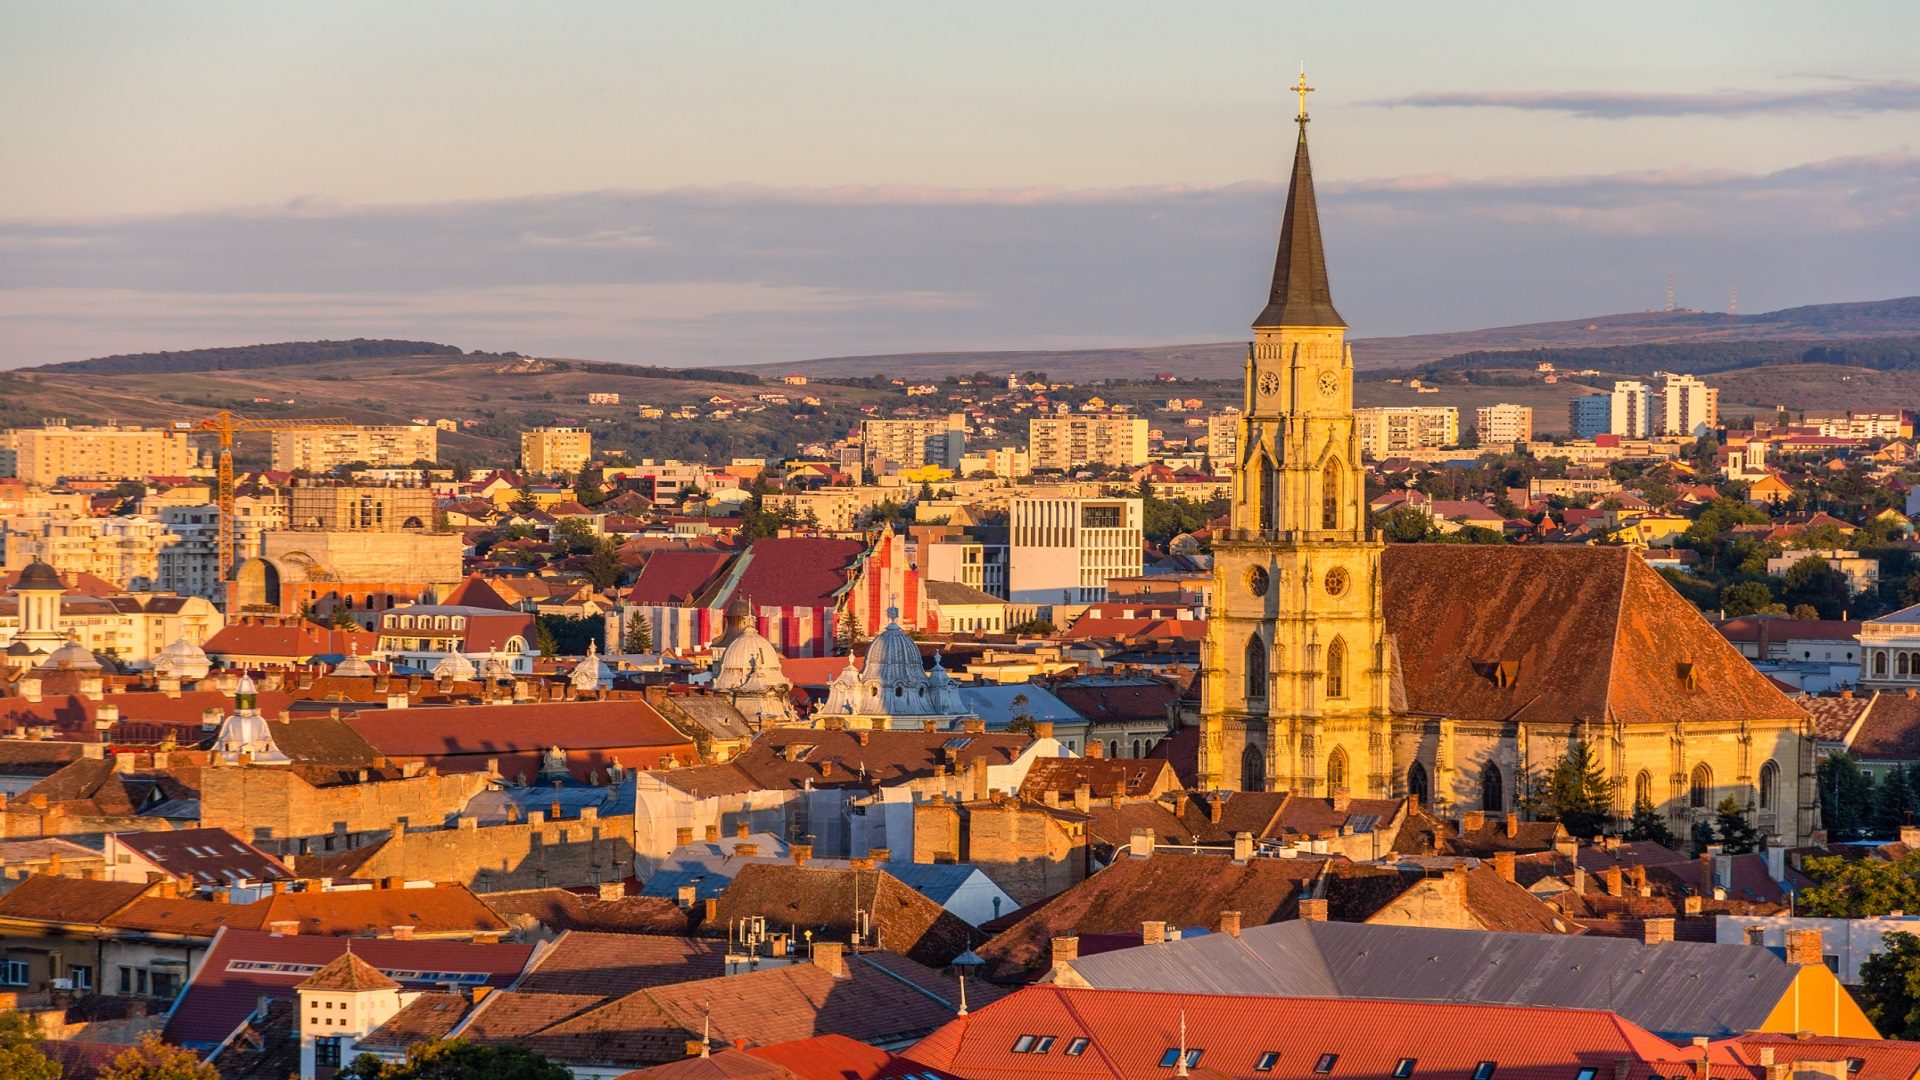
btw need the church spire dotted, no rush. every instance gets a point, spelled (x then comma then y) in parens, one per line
(1301, 295)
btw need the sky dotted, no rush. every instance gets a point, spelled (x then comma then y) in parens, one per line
(732, 182)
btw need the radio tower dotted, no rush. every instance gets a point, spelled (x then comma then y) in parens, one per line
(1733, 301)
(1669, 292)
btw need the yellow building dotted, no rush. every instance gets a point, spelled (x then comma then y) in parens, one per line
(550, 450)
(1450, 673)
(322, 449)
(56, 452)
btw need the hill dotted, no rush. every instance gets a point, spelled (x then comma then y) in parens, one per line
(246, 357)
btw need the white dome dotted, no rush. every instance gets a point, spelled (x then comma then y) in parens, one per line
(182, 660)
(497, 667)
(749, 665)
(590, 673)
(72, 656)
(353, 666)
(454, 666)
(893, 660)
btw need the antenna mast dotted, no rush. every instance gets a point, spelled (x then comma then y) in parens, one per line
(1733, 301)
(1669, 292)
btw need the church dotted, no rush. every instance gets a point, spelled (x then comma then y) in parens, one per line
(1456, 674)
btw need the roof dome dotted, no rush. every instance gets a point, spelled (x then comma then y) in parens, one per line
(749, 665)
(496, 667)
(893, 660)
(353, 666)
(591, 673)
(454, 666)
(38, 576)
(72, 656)
(182, 660)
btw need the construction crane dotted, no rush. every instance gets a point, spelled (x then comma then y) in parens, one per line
(225, 425)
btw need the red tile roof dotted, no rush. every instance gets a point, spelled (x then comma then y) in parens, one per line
(213, 857)
(677, 577)
(347, 973)
(453, 733)
(288, 642)
(797, 571)
(475, 592)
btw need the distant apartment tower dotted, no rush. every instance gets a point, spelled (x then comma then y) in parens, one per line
(1689, 407)
(549, 450)
(1860, 425)
(47, 455)
(1223, 440)
(603, 398)
(1068, 442)
(1064, 551)
(1503, 424)
(909, 444)
(326, 448)
(1629, 410)
(1589, 415)
(1399, 429)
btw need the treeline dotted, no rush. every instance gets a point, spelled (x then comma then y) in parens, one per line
(244, 357)
(1700, 357)
(642, 371)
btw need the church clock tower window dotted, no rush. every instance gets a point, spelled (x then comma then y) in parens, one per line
(1330, 497)
(1337, 669)
(1256, 665)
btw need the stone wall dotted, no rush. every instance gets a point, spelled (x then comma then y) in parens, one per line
(267, 803)
(532, 854)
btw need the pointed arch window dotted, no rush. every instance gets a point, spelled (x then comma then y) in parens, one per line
(1336, 769)
(1337, 668)
(1769, 784)
(1268, 495)
(1418, 785)
(1493, 788)
(1643, 789)
(1253, 768)
(1256, 666)
(1330, 483)
(1700, 787)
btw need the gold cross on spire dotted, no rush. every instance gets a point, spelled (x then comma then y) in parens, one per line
(1303, 90)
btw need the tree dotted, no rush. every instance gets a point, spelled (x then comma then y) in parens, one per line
(543, 639)
(1860, 888)
(1649, 824)
(1813, 582)
(1890, 986)
(1745, 598)
(457, 1059)
(639, 635)
(20, 1055)
(604, 567)
(342, 618)
(570, 534)
(154, 1059)
(1846, 796)
(1735, 833)
(1574, 792)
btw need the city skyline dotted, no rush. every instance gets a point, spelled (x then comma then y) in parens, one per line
(663, 185)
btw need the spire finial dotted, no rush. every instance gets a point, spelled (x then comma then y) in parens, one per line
(1182, 1070)
(1303, 90)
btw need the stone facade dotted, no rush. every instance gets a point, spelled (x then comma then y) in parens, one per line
(536, 853)
(1027, 850)
(274, 806)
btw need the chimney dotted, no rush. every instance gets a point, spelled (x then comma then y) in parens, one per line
(1756, 934)
(1242, 847)
(801, 853)
(1473, 821)
(746, 851)
(218, 896)
(1656, 931)
(1690, 905)
(742, 828)
(1313, 909)
(1566, 846)
(828, 955)
(1066, 949)
(713, 834)
(684, 896)
(1910, 835)
(880, 855)
(683, 836)
(1050, 799)
(710, 911)
(613, 890)
(285, 927)
(1513, 826)
(1043, 729)
(1083, 798)
(1216, 807)
(1230, 923)
(1140, 844)
(1610, 877)
(1503, 863)
(402, 933)
(1095, 750)
(1153, 932)
(1805, 948)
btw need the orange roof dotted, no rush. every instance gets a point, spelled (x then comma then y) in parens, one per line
(349, 974)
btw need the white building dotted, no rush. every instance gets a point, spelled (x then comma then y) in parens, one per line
(1689, 407)
(122, 550)
(191, 567)
(338, 1006)
(1063, 551)
(1503, 424)
(1223, 439)
(1400, 429)
(909, 444)
(1629, 410)
(1066, 443)
(1863, 572)
(321, 449)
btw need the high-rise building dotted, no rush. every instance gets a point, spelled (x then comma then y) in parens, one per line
(322, 449)
(47, 455)
(1068, 442)
(1223, 439)
(550, 450)
(1063, 551)
(1392, 430)
(1630, 410)
(1691, 408)
(1503, 424)
(912, 443)
(1589, 415)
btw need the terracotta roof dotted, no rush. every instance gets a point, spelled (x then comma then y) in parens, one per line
(559, 910)
(1889, 731)
(347, 973)
(823, 1057)
(50, 898)
(1107, 777)
(1131, 700)
(1587, 634)
(429, 1017)
(1833, 715)
(796, 571)
(824, 900)
(1880, 1059)
(840, 759)
(498, 730)
(675, 577)
(440, 910)
(301, 642)
(187, 917)
(609, 965)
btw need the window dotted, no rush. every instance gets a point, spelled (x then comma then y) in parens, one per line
(1337, 668)
(1045, 1044)
(1769, 781)
(1418, 785)
(1336, 769)
(1267, 1061)
(1253, 768)
(1023, 1044)
(1643, 789)
(1483, 1071)
(1330, 479)
(1493, 795)
(326, 1052)
(15, 973)
(1880, 663)
(1586, 1074)
(1256, 669)
(1700, 789)
(1404, 1068)
(1172, 1057)
(1268, 495)
(1326, 1063)
(82, 975)
(1854, 1065)
(1076, 1046)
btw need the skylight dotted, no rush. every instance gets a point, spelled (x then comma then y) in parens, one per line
(1484, 1070)
(1172, 1057)
(1076, 1046)
(1267, 1061)
(1326, 1063)
(1404, 1068)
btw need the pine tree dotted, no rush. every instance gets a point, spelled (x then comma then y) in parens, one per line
(1892, 803)
(342, 618)
(1576, 793)
(1736, 834)
(1649, 824)
(639, 635)
(543, 639)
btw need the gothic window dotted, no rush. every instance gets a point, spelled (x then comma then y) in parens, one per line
(1493, 789)
(1337, 668)
(1253, 768)
(1900, 665)
(1700, 789)
(1769, 784)
(1269, 494)
(1417, 783)
(1643, 789)
(1256, 669)
(1330, 479)
(1880, 664)
(1336, 769)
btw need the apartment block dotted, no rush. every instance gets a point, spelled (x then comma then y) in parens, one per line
(910, 444)
(1589, 415)
(1630, 410)
(1399, 429)
(47, 455)
(122, 550)
(548, 450)
(323, 449)
(965, 561)
(191, 566)
(1223, 439)
(1860, 425)
(1068, 442)
(1503, 424)
(1063, 551)
(1689, 407)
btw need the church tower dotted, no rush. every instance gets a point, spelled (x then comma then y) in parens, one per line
(1296, 663)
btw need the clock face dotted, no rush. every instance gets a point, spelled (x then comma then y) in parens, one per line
(1329, 383)
(1336, 581)
(1270, 384)
(1257, 581)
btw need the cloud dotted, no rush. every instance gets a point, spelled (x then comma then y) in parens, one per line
(1856, 97)
(746, 274)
